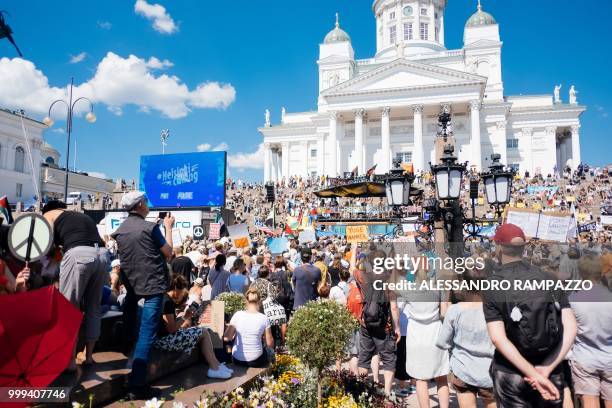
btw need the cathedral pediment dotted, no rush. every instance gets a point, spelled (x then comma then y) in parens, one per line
(483, 43)
(402, 74)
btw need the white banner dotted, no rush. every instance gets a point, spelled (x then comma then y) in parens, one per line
(183, 221)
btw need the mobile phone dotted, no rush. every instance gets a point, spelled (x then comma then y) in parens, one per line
(162, 215)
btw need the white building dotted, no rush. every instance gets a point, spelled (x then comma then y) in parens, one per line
(17, 180)
(374, 110)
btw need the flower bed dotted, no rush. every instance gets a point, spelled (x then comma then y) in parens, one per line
(291, 384)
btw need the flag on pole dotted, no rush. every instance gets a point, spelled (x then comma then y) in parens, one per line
(371, 171)
(5, 210)
(263, 227)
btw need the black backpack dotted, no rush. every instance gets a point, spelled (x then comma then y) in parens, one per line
(540, 329)
(376, 311)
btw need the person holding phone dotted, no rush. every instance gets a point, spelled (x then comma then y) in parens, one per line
(144, 253)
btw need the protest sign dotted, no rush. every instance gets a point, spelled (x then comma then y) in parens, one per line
(552, 226)
(606, 219)
(239, 233)
(356, 233)
(214, 230)
(278, 245)
(213, 318)
(591, 226)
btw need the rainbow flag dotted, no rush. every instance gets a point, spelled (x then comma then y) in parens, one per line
(5, 210)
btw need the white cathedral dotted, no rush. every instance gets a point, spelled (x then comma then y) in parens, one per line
(375, 110)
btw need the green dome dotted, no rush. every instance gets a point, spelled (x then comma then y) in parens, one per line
(480, 18)
(337, 34)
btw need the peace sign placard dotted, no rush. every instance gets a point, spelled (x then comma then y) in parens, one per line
(30, 238)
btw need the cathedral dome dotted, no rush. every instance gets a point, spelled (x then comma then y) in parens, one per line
(480, 18)
(337, 34)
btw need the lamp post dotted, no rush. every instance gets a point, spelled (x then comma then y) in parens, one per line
(448, 176)
(70, 104)
(397, 189)
(498, 185)
(165, 135)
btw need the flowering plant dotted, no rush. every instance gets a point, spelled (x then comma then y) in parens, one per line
(233, 302)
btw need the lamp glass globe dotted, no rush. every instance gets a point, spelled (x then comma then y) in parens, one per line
(48, 121)
(91, 117)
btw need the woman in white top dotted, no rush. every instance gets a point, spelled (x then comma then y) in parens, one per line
(247, 330)
(425, 361)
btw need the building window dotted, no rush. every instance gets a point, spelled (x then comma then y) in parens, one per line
(407, 11)
(19, 190)
(19, 159)
(392, 34)
(437, 34)
(313, 153)
(392, 15)
(423, 11)
(407, 31)
(512, 143)
(424, 31)
(404, 157)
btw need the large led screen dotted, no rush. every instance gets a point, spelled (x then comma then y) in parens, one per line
(184, 180)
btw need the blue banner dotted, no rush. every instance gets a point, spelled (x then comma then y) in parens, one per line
(539, 189)
(184, 180)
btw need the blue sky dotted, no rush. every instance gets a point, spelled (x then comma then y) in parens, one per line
(265, 52)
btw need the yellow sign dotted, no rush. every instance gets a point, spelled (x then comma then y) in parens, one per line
(570, 199)
(357, 233)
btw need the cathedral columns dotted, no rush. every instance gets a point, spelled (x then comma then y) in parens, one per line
(359, 162)
(385, 131)
(267, 162)
(333, 141)
(321, 155)
(575, 146)
(476, 142)
(285, 159)
(418, 154)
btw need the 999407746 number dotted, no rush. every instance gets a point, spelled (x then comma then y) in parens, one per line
(34, 394)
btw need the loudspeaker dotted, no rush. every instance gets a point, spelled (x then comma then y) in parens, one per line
(270, 193)
(474, 189)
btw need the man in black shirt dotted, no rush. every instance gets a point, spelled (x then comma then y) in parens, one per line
(532, 331)
(83, 271)
(144, 254)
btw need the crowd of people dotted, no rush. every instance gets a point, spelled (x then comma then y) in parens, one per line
(476, 344)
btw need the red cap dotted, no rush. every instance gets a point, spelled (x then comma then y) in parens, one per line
(510, 234)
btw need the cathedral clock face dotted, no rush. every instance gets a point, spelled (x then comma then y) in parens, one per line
(407, 11)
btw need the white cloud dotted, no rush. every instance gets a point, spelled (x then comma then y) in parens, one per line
(162, 21)
(105, 25)
(156, 63)
(241, 161)
(75, 59)
(207, 147)
(117, 82)
(59, 130)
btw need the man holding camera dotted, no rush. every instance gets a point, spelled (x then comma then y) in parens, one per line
(144, 253)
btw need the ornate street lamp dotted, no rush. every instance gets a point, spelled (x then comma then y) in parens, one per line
(70, 104)
(448, 175)
(498, 183)
(164, 136)
(397, 186)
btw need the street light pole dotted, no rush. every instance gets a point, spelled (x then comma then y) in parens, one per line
(165, 134)
(90, 117)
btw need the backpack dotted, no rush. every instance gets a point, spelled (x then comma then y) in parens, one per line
(354, 300)
(376, 311)
(539, 329)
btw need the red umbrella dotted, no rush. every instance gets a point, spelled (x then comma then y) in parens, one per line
(37, 334)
